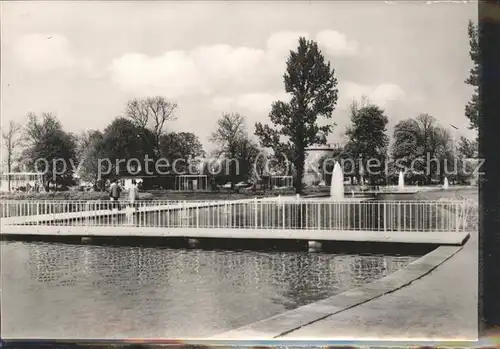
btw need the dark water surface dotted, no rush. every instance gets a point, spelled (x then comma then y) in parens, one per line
(84, 291)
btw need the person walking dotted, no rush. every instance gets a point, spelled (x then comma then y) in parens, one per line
(114, 193)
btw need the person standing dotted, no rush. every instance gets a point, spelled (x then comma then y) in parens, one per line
(132, 193)
(110, 190)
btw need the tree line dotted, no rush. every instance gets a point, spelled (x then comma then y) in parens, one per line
(141, 132)
(293, 126)
(421, 147)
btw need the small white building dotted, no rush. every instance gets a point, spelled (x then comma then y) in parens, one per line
(313, 170)
(126, 182)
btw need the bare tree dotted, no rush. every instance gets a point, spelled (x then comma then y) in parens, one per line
(84, 141)
(12, 141)
(151, 113)
(229, 133)
(229, 136)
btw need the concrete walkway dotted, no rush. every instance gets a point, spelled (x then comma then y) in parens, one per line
(232, 232)
(441, 305)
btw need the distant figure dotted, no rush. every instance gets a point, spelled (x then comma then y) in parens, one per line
(129, 211)
(114, 193)
(132, 193)
(111, 198)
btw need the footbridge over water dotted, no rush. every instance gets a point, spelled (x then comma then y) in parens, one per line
(288, 218)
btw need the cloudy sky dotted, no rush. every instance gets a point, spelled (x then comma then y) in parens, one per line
(84, 60)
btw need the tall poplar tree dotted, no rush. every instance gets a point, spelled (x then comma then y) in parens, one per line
(311, 83)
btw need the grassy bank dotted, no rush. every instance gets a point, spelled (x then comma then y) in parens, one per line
(455, 193)
(173, 195)
(470, 195)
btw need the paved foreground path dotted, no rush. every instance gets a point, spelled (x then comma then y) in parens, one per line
(440, 305)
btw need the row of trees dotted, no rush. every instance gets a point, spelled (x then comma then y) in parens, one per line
(421, 147)
(311, 83)
(139, 133)
(293, 126)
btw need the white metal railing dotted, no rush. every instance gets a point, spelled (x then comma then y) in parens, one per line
(468, 214)
(16, 208)
(275, 213)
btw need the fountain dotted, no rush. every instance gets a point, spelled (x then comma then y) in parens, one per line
(337, 184)
(401, 181)
(445, 183)
(280, 202)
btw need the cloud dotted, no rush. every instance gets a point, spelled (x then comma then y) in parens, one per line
(259, 102)
(280, 43)
(336, 44)
(385, 93)
(380, 95)
(44, 52)
(213, 70)
(204, 70)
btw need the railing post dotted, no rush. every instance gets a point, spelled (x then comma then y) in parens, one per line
(181, 214)
(255, 212)
(197, 216)
(464, 212)
(91, 208)
(319, 216)
(283, 214)
(399, 215)
(262, 214)
(385, 216)
(224, 214)
(464, 215)
(158, 213)
(360, 219)
(36, 213)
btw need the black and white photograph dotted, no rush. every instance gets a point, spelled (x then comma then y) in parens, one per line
(240, 170)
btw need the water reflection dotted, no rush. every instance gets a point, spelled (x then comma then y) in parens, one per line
(61, 290)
